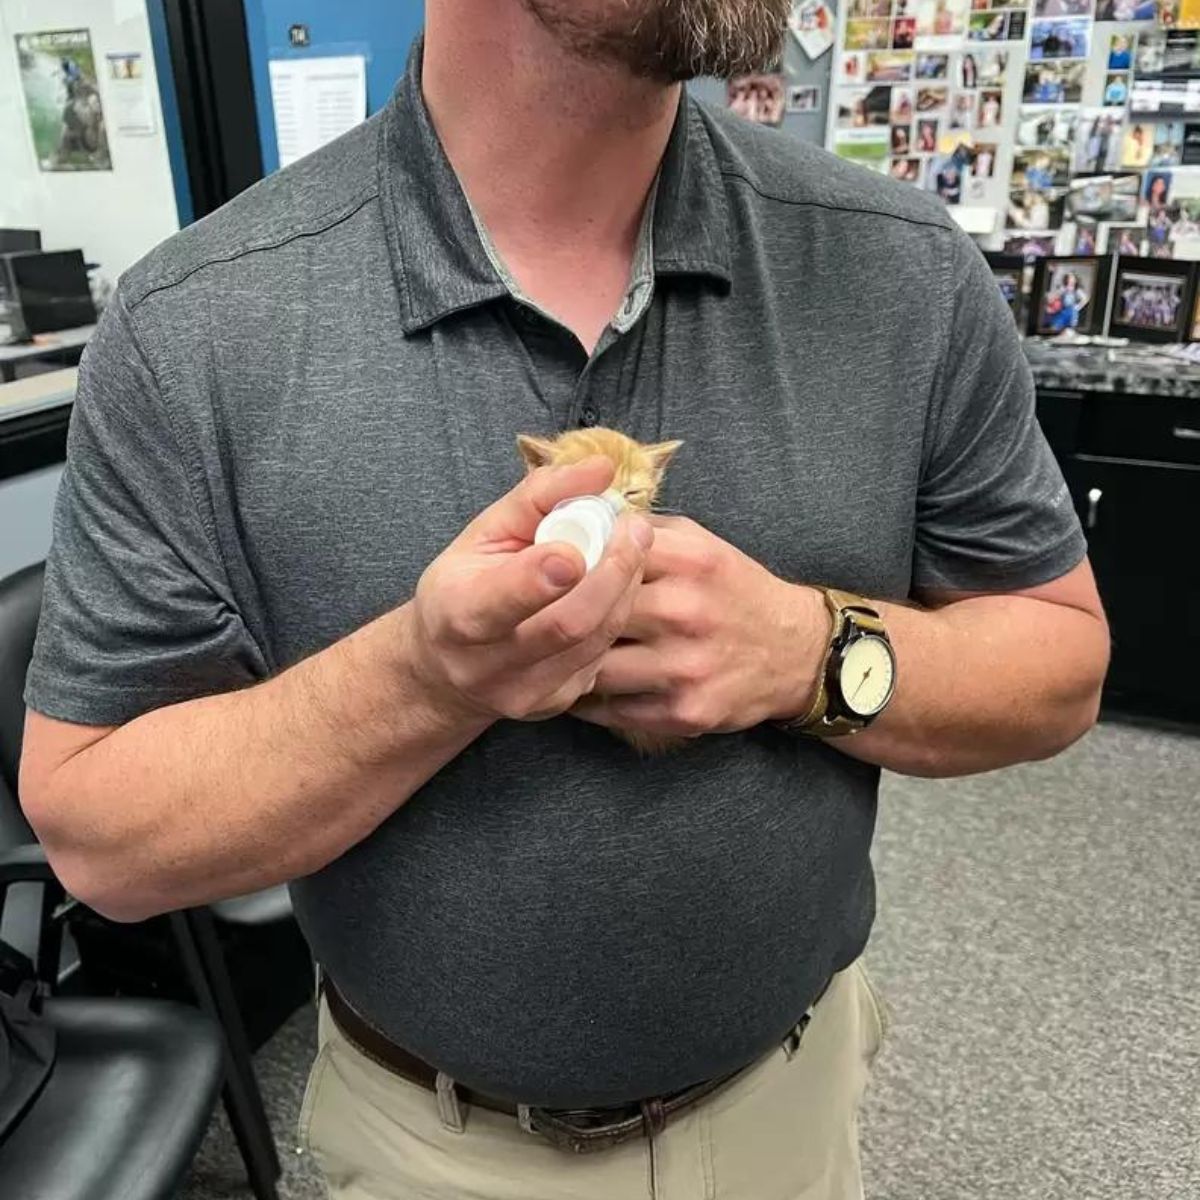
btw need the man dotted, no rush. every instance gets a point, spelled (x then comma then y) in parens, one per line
(291, 633)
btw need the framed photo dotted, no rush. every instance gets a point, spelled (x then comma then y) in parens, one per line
(1153, 300)
(1009, 272)
(1069, 294)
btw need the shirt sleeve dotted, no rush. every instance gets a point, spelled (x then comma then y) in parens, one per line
(137, 612)
(993, 511)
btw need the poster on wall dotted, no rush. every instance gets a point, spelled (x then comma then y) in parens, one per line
(62, 100)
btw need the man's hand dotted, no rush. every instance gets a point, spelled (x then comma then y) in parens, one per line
(718, 643)
(502, 628)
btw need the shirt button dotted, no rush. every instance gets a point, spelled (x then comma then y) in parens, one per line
(589, 417)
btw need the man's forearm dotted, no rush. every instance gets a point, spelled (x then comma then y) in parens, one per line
(228, 794)
(985, 682)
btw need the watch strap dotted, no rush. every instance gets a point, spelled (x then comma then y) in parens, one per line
(844, 608)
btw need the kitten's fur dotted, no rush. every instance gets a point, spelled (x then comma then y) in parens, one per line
(638, 477)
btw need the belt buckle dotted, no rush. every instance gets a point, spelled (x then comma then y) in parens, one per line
(584, 1136)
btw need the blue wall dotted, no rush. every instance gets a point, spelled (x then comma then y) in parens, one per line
(383, 30)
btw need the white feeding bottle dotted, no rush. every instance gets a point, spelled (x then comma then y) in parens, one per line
(586, 522)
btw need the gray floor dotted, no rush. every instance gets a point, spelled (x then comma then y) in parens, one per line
(1038, 945)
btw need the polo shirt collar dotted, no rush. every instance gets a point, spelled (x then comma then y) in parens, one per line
(439, 260)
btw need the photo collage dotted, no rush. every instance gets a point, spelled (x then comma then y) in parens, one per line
(919, 88)
(922, 90)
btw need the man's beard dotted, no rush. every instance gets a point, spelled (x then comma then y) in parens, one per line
(669, 40)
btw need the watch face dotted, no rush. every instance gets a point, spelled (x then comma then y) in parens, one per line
(868, 675)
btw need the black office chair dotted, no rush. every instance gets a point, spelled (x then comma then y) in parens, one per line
(133, 1086)
(196, 940)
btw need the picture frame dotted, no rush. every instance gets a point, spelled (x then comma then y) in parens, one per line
(1069, 293)
(1009, 272)
(1154, 300)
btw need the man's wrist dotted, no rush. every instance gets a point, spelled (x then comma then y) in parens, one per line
(805, 629)
(437, 708)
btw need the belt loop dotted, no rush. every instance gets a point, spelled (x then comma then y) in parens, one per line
(449, 1109)
(795, 1035)
(525, 1119)
(317, 981)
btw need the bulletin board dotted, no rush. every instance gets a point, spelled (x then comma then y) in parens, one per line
(1047, 126)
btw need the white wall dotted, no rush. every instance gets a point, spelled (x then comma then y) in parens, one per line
(114, 216)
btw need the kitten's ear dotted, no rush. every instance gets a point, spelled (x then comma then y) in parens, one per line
(536, 452)
(660, 454)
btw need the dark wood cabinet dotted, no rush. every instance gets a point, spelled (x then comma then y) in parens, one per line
(1133, 466)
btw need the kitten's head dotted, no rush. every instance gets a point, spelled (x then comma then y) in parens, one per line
(639, 469)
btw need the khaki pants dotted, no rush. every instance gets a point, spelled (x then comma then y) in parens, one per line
(787, 1129)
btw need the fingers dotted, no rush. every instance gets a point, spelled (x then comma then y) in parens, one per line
(630, 670)
(599, 605)
(649, 713)
(674, 549)
(491, 605)
(516, 514)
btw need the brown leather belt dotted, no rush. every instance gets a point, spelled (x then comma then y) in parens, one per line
(579, 1130)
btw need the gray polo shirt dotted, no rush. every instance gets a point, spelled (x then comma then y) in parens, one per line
(291, 408)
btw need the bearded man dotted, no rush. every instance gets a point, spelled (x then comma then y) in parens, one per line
(297, 628)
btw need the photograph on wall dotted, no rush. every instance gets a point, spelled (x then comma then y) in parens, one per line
(1150, 300)
(869, 8)
(62, 100)
(1062, 8)
(1097, 142)
(962, 111)
(852, 67)
(1054, 82)
(858, 108)
(906, 170)
(1180, 49)
(1116, 91)
(1126, 10)
(904, 33)
(983, 165)
(1009, 274)
(1040, 170)
(901, 140)
(1162, 99)
(1086, 236)
(932, 66)
(1034, 210)
(1121, 239)
(1047, 125)
(928, 130)
(988, 27)
(993, 67)
(901, 112)
(889, 66)
(1105, 197)
(1067, 37)
(866, 147)
(1156, 188)
(1167, 150)
(868, 35)
(760, 97)
(1016, 25)
(1138, 145)
(803, 98)
(1149, 55)
(940, 23)
(1191, 145)
(1120, 52)
(1067, 295)
(812, 24)
(991, 108)
(1030, 246)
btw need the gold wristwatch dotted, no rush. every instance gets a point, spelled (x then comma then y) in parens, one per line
(858, 676)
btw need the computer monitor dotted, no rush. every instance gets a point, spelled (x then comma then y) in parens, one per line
(13, 241)
(52, 290)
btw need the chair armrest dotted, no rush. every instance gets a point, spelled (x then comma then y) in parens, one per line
(25, 864)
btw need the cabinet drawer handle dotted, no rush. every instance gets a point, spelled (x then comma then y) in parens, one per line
(1182, 431)
(1093, 509)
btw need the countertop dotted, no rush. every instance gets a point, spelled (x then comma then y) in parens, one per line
(1136, 369)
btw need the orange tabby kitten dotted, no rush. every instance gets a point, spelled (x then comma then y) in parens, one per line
(638, 477)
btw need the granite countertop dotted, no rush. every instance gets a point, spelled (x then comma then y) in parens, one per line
(1136, 369)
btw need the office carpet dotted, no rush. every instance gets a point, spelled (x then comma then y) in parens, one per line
(1038, 943)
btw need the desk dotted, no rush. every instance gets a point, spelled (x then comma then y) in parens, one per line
(1125, 426)
(50, 343)
(34, 415)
